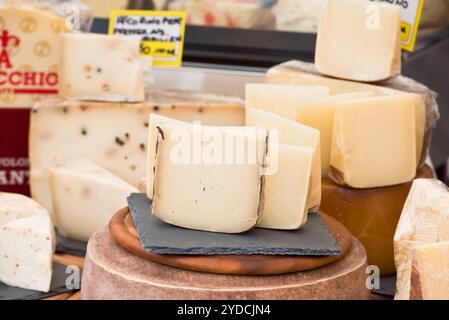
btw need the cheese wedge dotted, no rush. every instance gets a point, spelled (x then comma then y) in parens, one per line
(359, 40)
(279, 99)
(288, 190)
(111, 71)
(373, 142)
(293, 133)
(85, 197)
(209, 178)
(424, 220)
(27, 243)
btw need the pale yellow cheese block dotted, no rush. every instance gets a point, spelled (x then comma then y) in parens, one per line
(293, 133)
(287, 191)
(373, 142)
(359, 40)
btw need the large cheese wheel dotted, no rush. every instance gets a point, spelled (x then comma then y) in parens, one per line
(371, 215)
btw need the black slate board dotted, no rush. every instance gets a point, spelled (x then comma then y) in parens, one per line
(70, 246)
(387, 286)
(156, 236)
(57, 286)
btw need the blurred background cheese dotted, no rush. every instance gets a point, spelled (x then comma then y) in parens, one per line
(374, 142)
(292, 133)
(359, 40)
(101, 67)
(113, 135)
(209, 194)
(85, 197)
(26, 243)
(424, 220)
(287, 190)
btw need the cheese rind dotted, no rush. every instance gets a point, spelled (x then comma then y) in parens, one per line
(424, 220)
(279, 99)
(293, 133)
(85, 197)
(372, 52)
(373, 142)
(207, 193)
(287, 191)
(94, 76)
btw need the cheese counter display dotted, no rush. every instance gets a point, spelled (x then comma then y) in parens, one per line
(288, 184)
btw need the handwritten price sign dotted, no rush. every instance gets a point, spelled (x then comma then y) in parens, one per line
(162, 33)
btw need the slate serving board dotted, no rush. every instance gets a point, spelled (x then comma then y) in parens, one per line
(158, 237)
(70, 246)
(57, 286)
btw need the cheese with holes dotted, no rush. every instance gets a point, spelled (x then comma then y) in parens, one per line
(85, 197)
(318, 113)
(279, 99)
(424, 220)
(29, 54)
(209, 178)
(430, 272)
(359, 40)
(26, 243)
(111, 71)
(293, 133)
(373, 143)
(113, 135)
(288, 210)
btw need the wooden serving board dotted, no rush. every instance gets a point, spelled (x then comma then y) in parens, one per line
(126, 236)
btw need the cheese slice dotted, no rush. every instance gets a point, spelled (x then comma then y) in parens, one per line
(209, 178)
(85, 197)
(287, 191)
(424, 220)
(279, 99)
(293, 133)
(359, 40)
(373, 142)
(26, 243)
(430, 272)
(318, 113)
(111, 71)
(113, 135)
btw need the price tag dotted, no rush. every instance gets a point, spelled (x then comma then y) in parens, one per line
(162, 33)
(410, 17)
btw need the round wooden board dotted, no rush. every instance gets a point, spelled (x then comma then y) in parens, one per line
(125, 234)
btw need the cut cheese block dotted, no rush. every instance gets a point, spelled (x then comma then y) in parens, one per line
(373, 142)
(424, 220)
(112, 70)
(359, 40)
(209, 178)
(280, 99)
(371, 215)
(287, 191)
(85, 196)
(292, 133)
(29, 55)
(318, 113)
(426, 113)
(112, 135)
(26, 243)
(430, 268)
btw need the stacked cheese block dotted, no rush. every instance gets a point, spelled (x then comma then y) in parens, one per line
(374, 137)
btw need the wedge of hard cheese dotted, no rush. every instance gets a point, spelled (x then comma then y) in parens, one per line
(26, 243)
(424, 220)
(85, 197)
(209, 178)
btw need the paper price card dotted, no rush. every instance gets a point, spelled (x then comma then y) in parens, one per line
(410, 17)
(162, 33)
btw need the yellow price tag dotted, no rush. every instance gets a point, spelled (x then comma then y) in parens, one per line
(162, 33)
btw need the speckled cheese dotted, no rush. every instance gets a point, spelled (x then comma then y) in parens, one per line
(100, 67)
(85, 197)
(26, 243)
(113, 135)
